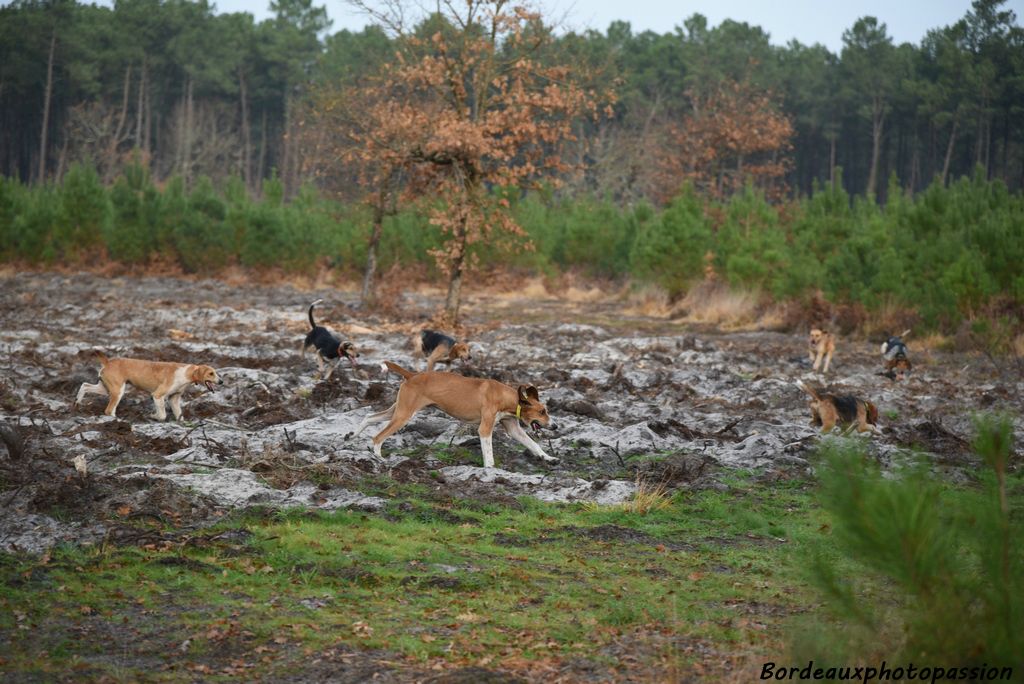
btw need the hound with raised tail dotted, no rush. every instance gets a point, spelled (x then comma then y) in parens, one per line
(829, 410)
(439, 348)
(474, 400)
(329, 347)
(897, 357)
(162, 379)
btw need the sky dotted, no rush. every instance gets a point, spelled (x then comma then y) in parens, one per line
(809, 21)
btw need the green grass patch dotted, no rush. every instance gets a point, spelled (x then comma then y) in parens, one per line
(456, 580)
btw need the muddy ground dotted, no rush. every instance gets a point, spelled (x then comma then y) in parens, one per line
(635, 399)
(632, 396)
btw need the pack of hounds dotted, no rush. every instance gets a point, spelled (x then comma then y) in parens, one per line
(480, 401)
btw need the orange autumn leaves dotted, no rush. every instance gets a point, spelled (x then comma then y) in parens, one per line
(471, 107)
(733, 135)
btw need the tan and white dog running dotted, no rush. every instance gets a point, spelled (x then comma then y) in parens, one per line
(473, 400)
(821, 345)
(162, 379)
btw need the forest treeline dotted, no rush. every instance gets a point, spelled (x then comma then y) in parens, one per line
(934, 260)
(198, 93)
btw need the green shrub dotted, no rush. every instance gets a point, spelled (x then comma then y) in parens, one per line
(84, 213)
(195, 226)
(948, 254)
(132, 234)
(13, 198)
(938, 573)
(669, 250)
(35, 227)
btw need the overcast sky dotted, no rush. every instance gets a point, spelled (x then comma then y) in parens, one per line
(809, 21)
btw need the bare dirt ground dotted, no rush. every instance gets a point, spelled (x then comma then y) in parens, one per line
(631, 396)
(634, 398)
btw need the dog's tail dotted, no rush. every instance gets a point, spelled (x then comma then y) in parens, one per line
(312, 323)
(810, 390)
(388, 366)
(871, 411)
(101, 357)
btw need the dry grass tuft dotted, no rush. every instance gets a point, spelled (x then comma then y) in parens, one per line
(930, 342)
(534, 289)
(773, 318)
(590, 294)
(648, 300)
(889, 318)
(713, 303)
(647, 499)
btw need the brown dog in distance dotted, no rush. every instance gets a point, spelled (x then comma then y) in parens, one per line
(163, 380)
(829, 410)
(822, 345)
(473, 400)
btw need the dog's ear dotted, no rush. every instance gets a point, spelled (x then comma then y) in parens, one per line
(528, 393)
(197, 374)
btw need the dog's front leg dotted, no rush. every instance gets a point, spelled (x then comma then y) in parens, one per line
(487, 449)
(517, 433)
(161, 412)
(486, 432)
(435, 356)
(176, 405)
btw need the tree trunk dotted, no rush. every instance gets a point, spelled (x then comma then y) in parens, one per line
(186, 162)
(115, 141)
(454, 297)
(48, 95)
(915, 162)
(243, 95)
(62, 159)
(369, 293)
(140, 105)
(949, 152)
(832, 160)
(979, 136)
(286, 153)
(260, 174)
(877, 125)
(988, 146)
(147, 119)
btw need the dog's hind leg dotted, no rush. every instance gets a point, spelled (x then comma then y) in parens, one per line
(379, 417)
(828, 360)
(404, 409)
(115, 398)
(516, 432)
(87, 388)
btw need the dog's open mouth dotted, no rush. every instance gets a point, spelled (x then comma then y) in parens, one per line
(209, 385)
(535, 425)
